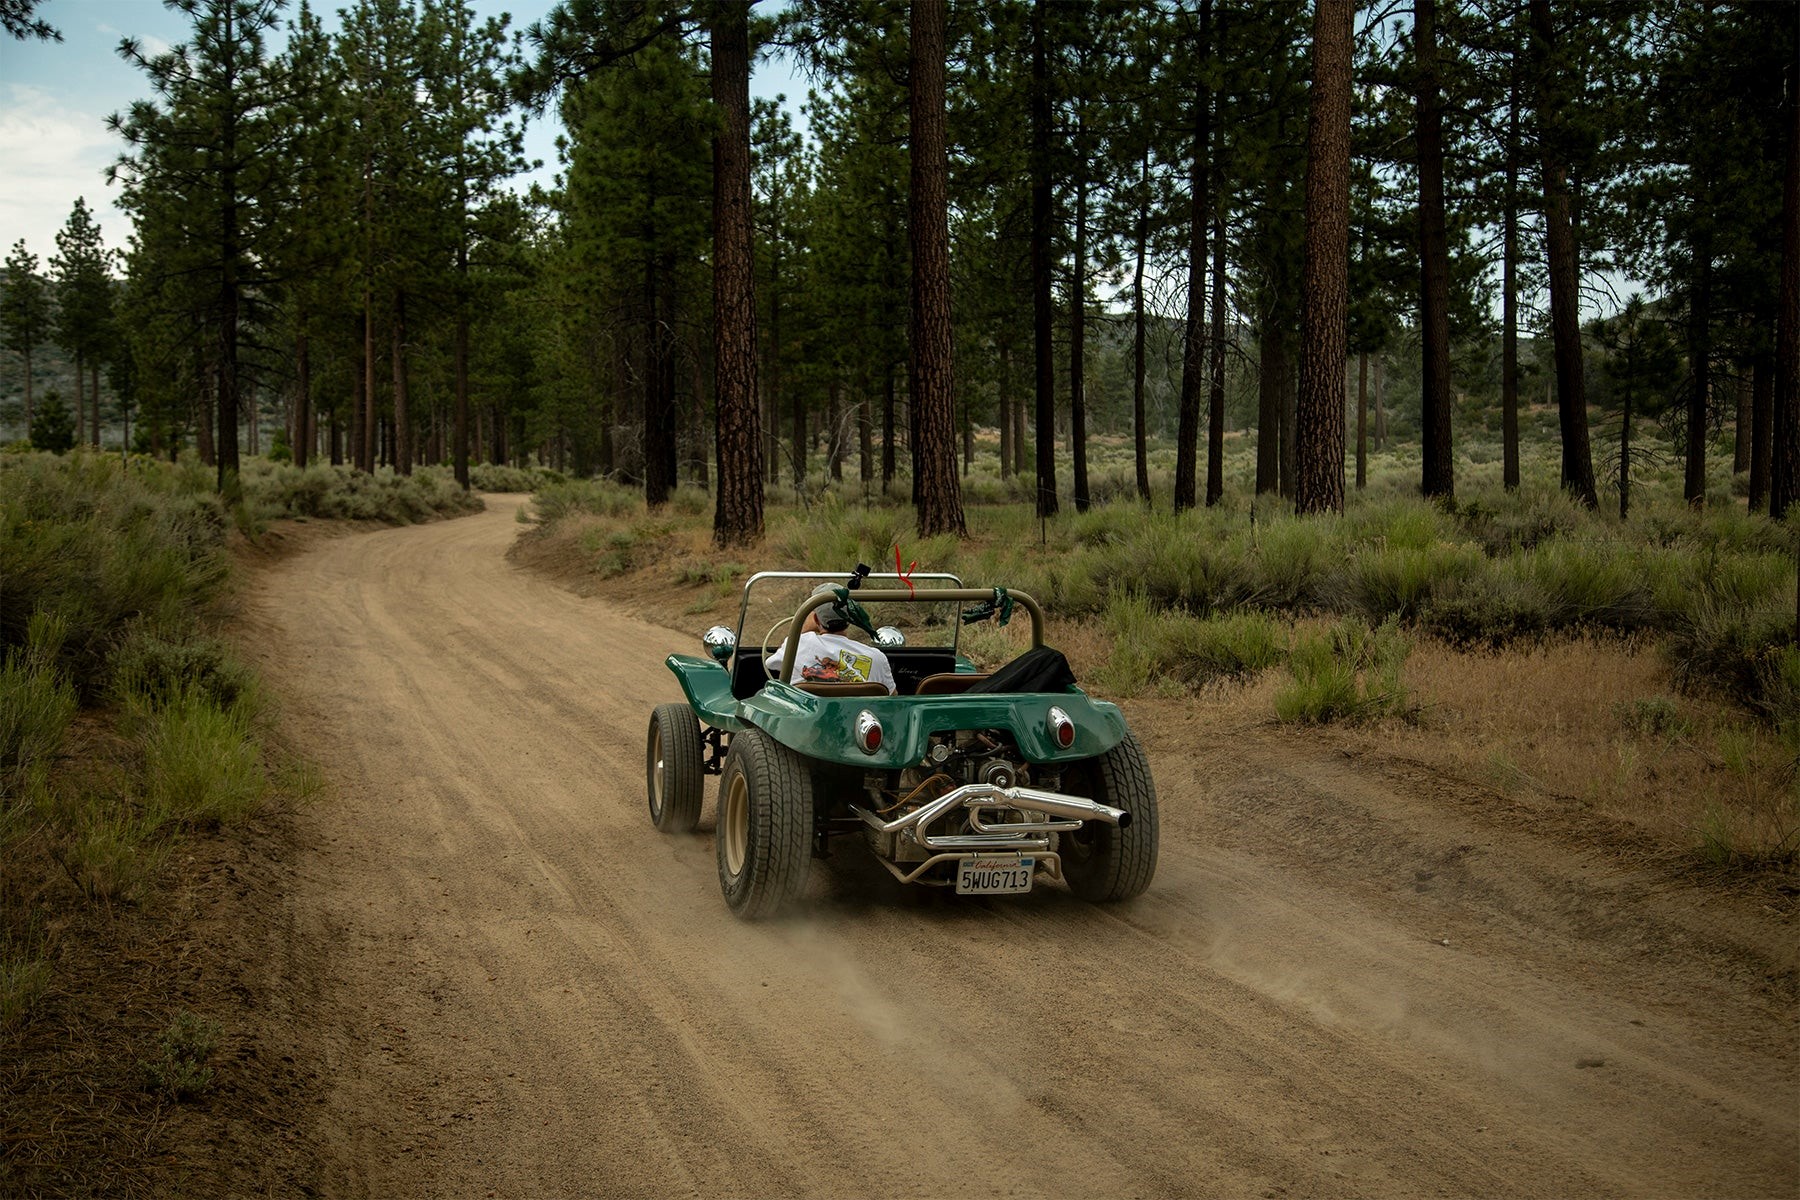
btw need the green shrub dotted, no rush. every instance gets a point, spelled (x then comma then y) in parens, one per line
(201, 764)
(1379, 582)
(1488, 608)
(497, 477)
(37, 706)
(1746, 655)
(22, 981)
(1347, 672)
(1588, 584)
(153, 670)
(179, 1070)
(1159, 646)
(106, 846)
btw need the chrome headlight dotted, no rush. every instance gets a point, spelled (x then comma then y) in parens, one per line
(719, 642)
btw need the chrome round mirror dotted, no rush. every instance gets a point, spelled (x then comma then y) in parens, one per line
(887, 635)
(719, 642)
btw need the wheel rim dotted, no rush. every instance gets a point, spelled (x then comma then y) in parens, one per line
(734, 825)
(656, 771)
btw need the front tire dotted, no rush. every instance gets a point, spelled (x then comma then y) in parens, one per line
(765, 825)
(673, 773)
(1103, 862)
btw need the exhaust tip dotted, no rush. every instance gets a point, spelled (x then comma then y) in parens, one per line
(1124, 820)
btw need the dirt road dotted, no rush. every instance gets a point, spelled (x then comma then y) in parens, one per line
(1349, 979)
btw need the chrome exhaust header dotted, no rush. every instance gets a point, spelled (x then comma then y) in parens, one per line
(1072, 811)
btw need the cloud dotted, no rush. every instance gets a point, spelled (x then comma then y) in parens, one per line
(52, 154)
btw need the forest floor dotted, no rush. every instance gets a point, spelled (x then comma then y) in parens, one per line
(473, 968)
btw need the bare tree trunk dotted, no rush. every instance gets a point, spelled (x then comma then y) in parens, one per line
(933, 384)
(1700, 374)
(1141, 241)
(1565, 315)
(1762, 410)
(1215, 404)
(1005, 403)
(1042, 303)
(1193, 345)
(1785, 447)
(1268, 407)
(1325, 288)
(402, 415)
(1078, 326)
(1509, 307)
(1438, 475)
(1362, 420)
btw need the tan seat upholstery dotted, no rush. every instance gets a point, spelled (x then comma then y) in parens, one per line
(947, 683)
(840, 688)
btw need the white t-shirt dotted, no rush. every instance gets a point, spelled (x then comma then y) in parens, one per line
(828, 656)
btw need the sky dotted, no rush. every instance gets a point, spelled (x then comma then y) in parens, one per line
(55, 98)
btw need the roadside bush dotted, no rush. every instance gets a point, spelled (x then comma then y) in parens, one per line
(107, 847)
(1347, 672)
(1379, 582)
(201, 764)
(495, 477)
(1487, 609)
(1748, 655)
(180, 1069)
(36, 707)
(151, 670)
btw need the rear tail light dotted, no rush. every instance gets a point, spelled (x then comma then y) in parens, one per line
(868, 732)
(1062, 730)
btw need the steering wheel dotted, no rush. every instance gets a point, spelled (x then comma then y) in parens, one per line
(769, 638)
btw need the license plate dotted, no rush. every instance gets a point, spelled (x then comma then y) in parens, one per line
(994, 875)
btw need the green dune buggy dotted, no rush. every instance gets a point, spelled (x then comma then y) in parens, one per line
(949, 782)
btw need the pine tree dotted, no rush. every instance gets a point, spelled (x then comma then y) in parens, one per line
(205, 157)
(738, 515)
(81, 267)
(24, 312)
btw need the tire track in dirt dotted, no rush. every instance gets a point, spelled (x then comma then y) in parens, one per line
(513, 983)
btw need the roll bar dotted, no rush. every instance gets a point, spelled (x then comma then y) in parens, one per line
(919, 595)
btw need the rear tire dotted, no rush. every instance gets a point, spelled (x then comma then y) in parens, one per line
(1103, 862)
(673, 773)
(764, 838)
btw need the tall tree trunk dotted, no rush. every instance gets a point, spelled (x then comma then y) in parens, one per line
(1005, 402)
(834, 427)
(460, 365)
(1215, 403)
(1268, 407)
(887, 428)
(1438, 476)
(1509, 307)
(303, 409)
(932, 387)
(1078, 329)
(403, 457)
(1380, 402)
(80, 399)
(1785, 448)
(1139, 326)
(1362, 420)
(865, 441)
(369, 402)
(1625, 453)
(1564, 257)
(1193, 342)
(1325, 287)
(1042, 304)
(203, 422)
(1699, 373)
(1762, 410)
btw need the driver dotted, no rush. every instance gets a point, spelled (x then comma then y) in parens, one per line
(825, 654)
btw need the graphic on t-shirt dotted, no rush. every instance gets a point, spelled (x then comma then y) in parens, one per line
(846, 666)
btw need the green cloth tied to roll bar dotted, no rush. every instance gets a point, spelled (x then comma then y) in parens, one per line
(1002, 603)
(853, 612)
